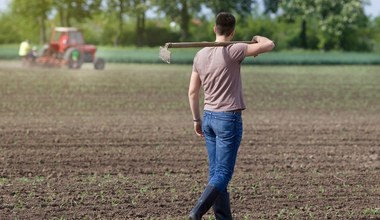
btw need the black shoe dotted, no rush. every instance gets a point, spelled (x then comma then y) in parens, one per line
(222, 208)
(204, 203)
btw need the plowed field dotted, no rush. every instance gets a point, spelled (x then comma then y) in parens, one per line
(118, 143)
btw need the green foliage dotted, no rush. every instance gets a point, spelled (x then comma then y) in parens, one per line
(374, 28)
(241, 7)
(307, 24)
(180, 11)
(266, 27)
(32, 16)
(74, 10)
(97, 32)
(202, 30)
(153, 39)
(337, 22)
(9, 32)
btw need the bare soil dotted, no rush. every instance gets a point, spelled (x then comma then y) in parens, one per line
(128, 163)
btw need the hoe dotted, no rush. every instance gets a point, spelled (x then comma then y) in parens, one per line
(165, 54)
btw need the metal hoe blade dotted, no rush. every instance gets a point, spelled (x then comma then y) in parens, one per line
(165, 54)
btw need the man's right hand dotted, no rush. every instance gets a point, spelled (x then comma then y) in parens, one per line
(198, 128)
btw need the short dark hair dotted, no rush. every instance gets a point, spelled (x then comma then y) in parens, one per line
(225, 23)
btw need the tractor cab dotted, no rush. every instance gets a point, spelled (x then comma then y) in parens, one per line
(64, 37)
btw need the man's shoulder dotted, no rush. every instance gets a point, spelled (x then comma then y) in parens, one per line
(238, 46)
(202, 52)
(237, 51)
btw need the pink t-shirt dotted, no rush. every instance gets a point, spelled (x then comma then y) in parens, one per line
(219, 71)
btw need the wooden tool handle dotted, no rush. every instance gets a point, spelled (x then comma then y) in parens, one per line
(204, 44)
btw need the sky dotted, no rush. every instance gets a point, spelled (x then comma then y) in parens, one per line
(372, 10)
(3, 4)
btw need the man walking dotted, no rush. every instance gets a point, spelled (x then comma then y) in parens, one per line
(217, 70)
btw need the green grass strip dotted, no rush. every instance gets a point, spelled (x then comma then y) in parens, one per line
(185, 56)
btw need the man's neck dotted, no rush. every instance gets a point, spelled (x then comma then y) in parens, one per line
(222, 38)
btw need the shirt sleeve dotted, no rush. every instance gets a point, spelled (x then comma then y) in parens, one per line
(195, 64)
(238, 51)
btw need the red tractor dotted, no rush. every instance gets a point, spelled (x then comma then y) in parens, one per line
(67, 49)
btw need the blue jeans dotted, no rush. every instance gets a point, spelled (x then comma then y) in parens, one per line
(223, 132)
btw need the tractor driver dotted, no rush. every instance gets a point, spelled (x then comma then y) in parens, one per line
(24, 51)
(63, 39)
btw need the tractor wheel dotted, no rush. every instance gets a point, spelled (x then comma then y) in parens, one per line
(73, 57)
(99, 63)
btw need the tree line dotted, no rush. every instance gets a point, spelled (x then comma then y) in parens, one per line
(306, 24)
